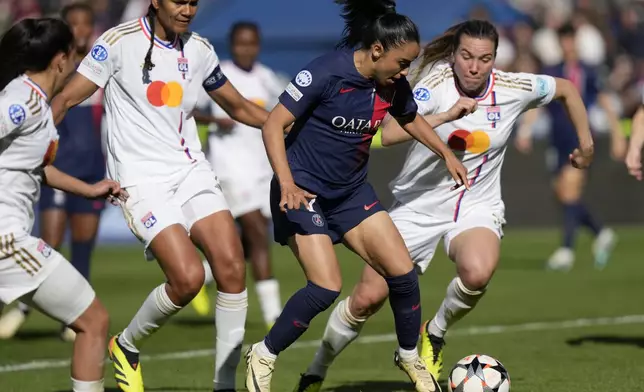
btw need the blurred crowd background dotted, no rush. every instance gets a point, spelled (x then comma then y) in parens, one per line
(609, 37)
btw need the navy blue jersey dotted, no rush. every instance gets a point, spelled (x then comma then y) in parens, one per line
(80, 153)
(337, 112)
(563, 134)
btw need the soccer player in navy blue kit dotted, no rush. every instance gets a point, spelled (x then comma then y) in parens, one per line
(569, 182)
(320, 195)
(79, 155)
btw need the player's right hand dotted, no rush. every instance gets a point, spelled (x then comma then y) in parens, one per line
(293, 197)
(462, 108)
(634, 163)
(581, 159)
(457, 171)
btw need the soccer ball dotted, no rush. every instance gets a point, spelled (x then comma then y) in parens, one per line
(478, 373)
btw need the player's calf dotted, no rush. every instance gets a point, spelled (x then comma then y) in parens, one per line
(89, 348)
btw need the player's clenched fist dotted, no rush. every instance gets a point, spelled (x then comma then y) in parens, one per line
(462, 108)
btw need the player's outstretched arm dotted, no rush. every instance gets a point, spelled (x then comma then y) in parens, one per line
(617, 139)
(393, 133)
(420, 130)
(634, 155)
(569, 96)
(76, 91)
(239, 108)
(273, 134)
(103, 189)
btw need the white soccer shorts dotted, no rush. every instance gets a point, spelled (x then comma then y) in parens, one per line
(153, 207)
(34, 272)
(246, 194)
(422, 232)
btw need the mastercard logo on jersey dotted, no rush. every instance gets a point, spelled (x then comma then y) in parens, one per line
(50, 155)
(474, 142)
(165, 94)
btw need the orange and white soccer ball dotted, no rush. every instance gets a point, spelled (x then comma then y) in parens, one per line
(478, 373)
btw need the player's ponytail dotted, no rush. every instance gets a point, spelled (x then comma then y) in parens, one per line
(444, 46)
(148, 64)
(30, 46)
(369, 21)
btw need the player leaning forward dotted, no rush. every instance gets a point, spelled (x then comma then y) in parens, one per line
(152, 70)
(37, 62)
(427, 208)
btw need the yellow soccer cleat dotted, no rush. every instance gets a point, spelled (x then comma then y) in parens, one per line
(127, 369)
(201, 303)
(418, 374)
(431, 351)
(309, 383)
(259, 371)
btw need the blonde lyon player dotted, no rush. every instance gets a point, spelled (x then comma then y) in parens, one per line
(37, 63)
(152, 70)
(428, 208)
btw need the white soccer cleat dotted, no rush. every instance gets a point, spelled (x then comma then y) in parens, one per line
(562, 260)
(259, 371)
(11, 322)
(603, 247)
(418, 374)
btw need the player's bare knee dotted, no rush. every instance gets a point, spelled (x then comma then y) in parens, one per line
(185, 286)
(95, 320)
(367, 300)
(475, 278)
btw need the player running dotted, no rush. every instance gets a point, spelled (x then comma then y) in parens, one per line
(237, 154)
(80, 155)
(428, 208)
(152, 70)
(37, 62)
(634, 156)
(569, 183)
(320, 195)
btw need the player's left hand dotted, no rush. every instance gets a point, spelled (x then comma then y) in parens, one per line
(108, 189)
(458, 171)
(581, 159)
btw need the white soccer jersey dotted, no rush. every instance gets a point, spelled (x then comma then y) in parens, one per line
(480, 139)
(151, 134)
(240, 152)
(28, 142)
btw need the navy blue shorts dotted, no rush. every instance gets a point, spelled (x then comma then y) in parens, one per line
(54, 199)
(558, 156)
(333, 217)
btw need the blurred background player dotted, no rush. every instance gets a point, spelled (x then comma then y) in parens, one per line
(473, 107)
(152, 70)
(568, 182)
(320, 195)
(237, 154)
(634, 156)
(80, 154)
(38, 59)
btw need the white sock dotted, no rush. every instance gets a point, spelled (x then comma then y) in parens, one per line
(268, 293)
(263, 351)
(154, 312)
(341, 329)
(230, 321)
(408, 355)
(458, 302)
(87, 386)
(209, 276)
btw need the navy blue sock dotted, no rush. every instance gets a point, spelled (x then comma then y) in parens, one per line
(81, 255)
(298, 312)
(586, 219)
(404, 298)
(571, 222)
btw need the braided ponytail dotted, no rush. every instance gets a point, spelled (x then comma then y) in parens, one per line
(148, 64)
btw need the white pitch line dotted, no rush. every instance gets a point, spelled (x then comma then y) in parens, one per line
(369, 339)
